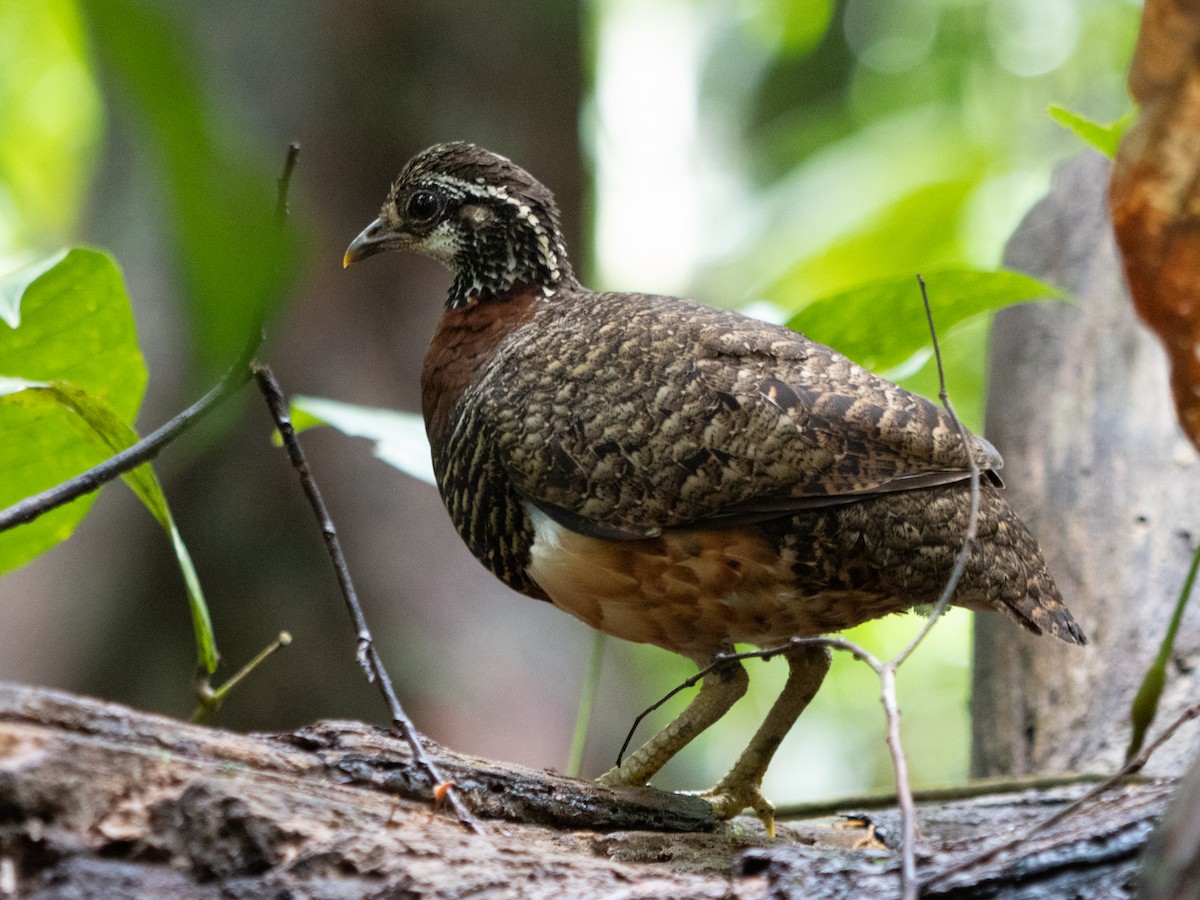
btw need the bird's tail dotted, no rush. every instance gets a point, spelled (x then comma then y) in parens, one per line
(1039, 608)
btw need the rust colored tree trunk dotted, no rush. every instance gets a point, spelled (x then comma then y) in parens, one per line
(1156, 193)
(1080, 406)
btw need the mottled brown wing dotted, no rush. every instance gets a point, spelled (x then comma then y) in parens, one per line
(670, 414)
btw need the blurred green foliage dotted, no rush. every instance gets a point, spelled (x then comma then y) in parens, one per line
(50, 119)
(234, 259)
(910, 136)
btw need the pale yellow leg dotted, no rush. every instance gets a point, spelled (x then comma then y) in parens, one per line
(742, 787)
(718, 692)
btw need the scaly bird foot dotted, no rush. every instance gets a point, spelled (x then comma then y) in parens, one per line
(615, 777)
(730, 798)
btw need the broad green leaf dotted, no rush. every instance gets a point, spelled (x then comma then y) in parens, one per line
(76, 327)
(882, 325)
(905, 236)
(1105, 138)
(15, 283)
(399, 436)
(108, 435)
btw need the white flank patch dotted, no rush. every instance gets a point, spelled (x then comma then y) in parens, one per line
(547, 534)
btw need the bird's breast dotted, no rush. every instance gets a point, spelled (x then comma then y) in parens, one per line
(464, 344)
(692, 591)
(470, 472)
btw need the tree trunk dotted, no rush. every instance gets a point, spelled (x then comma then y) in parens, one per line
(1080, 407)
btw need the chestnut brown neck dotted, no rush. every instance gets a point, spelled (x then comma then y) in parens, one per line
(464, 343)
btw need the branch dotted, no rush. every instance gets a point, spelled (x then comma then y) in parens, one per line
(143, 451)
(284, 184)
(368, 656)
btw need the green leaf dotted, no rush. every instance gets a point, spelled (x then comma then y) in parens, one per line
(106, 434)
(906, 235)
(399, 436)
(71, 381)
(882, 325)
(1105, 138)
(76, 327)
(16, 282)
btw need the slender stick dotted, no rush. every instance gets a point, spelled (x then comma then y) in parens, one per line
(130, 458)
(968, 544)
(283, 185)
(212, 698)
(368, 656)
(909, 887)
(980, 787)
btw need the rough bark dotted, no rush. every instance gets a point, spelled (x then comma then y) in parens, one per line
(98, 800)
(1080, 406)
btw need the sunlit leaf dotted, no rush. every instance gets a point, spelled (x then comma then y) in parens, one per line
(107, 435)
(76, 327)
(882, 325)
(1104, 138)
(15, 283)
(906, 235)
(399, 436)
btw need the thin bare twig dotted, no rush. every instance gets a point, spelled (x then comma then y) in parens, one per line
(130, 458)
(283, 185)
(211, 698)
(968, 544)
(368, 656)
(979, 787)
(909, 888)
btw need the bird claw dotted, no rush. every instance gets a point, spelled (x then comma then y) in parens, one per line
(727, 800)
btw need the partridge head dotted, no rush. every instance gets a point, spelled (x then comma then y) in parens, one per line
(679, 475)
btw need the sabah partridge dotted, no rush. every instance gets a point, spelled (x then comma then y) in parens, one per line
(679, 475)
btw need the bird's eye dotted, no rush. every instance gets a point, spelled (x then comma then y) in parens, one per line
(423, 205)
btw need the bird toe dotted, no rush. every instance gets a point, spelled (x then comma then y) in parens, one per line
(728, 799)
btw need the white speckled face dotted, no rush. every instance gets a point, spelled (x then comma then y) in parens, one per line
(495, 231)
(442, 244)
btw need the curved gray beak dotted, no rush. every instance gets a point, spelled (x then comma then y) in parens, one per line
(375, 238)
